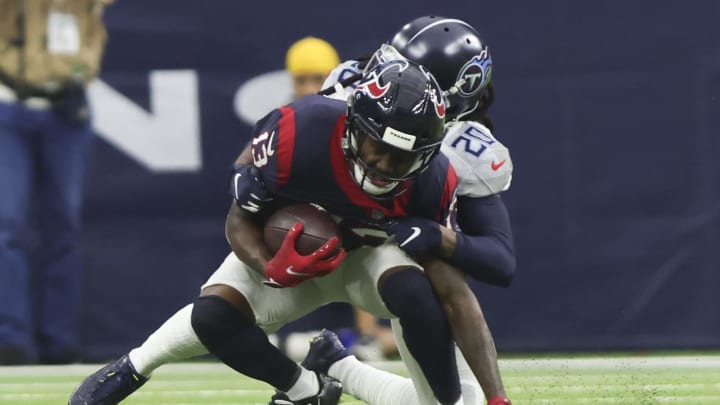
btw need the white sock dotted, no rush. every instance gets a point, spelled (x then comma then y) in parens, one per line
(306, 385)
(174, 340)
(372, 385)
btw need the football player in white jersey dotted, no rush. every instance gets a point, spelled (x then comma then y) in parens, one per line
(485, 247)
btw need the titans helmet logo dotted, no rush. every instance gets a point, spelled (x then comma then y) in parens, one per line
(475, 74)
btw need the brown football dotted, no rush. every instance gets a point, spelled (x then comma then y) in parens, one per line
(318, 227)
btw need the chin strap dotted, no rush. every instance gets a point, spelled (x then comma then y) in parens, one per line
(361, 178)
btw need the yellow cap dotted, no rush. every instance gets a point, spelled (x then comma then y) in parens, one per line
(311, 55)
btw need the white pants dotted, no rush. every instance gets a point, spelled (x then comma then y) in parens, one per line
(354, 281)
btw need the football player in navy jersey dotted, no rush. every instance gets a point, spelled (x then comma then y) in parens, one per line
(453, 51)
(366, 160)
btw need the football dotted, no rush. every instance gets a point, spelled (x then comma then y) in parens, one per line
(318, 227)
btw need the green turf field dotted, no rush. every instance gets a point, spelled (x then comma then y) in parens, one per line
(588, 380)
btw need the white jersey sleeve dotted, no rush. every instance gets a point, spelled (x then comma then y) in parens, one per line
(340, 73)
(482, 163)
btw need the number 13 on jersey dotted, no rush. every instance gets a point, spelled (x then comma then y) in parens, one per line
(262, 148)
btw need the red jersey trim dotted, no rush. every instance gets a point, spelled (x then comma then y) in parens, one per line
(448, 195)
(285, 144)
(348, 185)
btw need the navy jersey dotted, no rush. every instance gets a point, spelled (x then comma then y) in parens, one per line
(298, 150)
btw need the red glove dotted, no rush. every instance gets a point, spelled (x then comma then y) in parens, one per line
(288, 268)
(499, 400)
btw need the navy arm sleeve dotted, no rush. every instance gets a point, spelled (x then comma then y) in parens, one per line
(485, 248)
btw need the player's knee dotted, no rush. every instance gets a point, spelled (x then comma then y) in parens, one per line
(213, 317)
(409, 296)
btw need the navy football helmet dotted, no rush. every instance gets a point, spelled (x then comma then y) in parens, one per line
(394, 126)
(455, 54)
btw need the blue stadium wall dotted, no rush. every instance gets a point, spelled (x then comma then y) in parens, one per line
(611, 111)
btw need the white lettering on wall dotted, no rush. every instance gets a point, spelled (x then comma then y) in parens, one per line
(165, 139)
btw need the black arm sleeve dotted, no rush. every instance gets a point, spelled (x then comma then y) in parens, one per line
(485, 248)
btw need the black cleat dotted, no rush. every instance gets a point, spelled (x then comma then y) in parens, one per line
(330, 393)
(109, 385)
(325, 349)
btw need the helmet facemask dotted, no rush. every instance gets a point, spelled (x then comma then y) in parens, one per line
(360, 136)
(385, 53)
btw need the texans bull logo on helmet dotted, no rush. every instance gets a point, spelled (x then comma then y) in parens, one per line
(436, 97)
(475, 74)
(437, 100)
(371, 85)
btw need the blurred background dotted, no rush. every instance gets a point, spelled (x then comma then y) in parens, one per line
(611, 111)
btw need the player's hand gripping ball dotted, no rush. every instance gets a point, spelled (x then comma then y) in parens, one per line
(306, 243)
